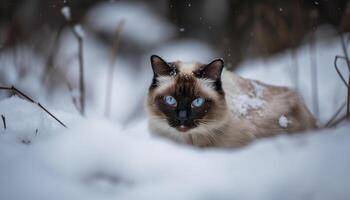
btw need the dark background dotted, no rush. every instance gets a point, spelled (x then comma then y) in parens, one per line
(238, 29)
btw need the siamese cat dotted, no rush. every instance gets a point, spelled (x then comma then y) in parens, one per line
(207, 106)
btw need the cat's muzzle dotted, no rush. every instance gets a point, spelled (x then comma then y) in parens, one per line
(183, 118)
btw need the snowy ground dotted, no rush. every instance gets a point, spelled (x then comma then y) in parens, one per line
(99, 158)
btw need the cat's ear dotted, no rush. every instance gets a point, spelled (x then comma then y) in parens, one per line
(161, 67)
(212, 70)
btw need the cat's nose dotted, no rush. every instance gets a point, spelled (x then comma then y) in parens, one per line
(183, 114)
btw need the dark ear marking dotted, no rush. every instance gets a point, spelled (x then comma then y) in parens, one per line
(211, 71)
(161, 68)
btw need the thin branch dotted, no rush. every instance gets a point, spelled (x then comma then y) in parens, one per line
(313, 62)
(77, 32)
(3, 121)
(345, 51)
(81, 76)
(337, 69)
(15, 90)
(297, 32)
(338, 121)
(69, 86)
(63, 78)
(335, 115)
(50, 58)
(116, 41)
(81, 70)
(295, 66)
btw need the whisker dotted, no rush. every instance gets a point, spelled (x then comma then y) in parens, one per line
(209, 129)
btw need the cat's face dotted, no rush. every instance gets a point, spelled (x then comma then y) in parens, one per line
(185, 96)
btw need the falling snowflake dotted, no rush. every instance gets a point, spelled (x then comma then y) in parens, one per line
(66, 13)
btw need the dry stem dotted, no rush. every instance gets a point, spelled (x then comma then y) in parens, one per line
(16, 91)
(3, 121)
(116, 41)
(348, 64)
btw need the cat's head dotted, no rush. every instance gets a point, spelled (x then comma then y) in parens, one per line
(185, 96)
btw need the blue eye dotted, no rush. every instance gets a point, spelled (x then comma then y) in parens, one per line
(198, 102)
(170, 100)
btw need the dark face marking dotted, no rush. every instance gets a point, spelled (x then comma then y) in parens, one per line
(184, 116)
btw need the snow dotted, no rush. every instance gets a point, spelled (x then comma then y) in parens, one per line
(139, 19)
(25, 121)
(99, 158)
(78, 29)
(283, 121)
(244, 103)
(66, 13)
(259, 89)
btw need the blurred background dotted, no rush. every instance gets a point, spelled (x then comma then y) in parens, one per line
(39, 51)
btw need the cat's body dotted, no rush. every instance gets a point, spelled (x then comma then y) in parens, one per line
(204, 105)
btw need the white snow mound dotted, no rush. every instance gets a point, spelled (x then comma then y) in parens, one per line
(98, 159)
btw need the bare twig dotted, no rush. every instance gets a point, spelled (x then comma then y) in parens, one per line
(69, 86)
(337, 69)
(338, 121)
(53, 50)
(78, 35)
(81, 76)
(15, 90)
(116, 40)
(335, 115)
(345, 51)
(63, 78)
(297, 32)
(313, 62)
(295, 71)
(3, 121)
(81, 70)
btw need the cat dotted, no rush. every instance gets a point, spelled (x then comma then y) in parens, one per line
(207, 106)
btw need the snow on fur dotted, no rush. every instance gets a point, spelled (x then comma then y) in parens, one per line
(243, 103)
(283, 121)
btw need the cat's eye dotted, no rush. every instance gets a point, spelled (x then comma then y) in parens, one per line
(170, 100)
(198, 102)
